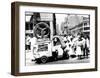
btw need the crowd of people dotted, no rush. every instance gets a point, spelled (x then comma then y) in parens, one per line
(77, 45)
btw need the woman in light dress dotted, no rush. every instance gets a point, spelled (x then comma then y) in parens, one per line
(78, 50)
(80, 47)
(69, 47)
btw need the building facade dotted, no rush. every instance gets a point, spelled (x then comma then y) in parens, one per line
(83, 27)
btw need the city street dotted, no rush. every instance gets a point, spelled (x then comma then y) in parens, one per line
(29, 61)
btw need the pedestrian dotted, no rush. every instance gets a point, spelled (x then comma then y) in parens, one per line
(87, 47)
(82, 45)
(27, 42)
(65, 38)
(78, 49)
(34, 46)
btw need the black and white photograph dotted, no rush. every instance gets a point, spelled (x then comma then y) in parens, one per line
(56, 38)
(52, 38)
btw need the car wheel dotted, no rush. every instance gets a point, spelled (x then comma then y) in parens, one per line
(44, 59)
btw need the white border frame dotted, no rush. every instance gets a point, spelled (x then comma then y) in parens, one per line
(40, 68)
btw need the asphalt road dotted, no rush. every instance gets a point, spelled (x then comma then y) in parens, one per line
(65, 61)
(29, 61)
(69, 61)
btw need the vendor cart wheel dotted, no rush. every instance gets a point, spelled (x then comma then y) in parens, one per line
(44, 59)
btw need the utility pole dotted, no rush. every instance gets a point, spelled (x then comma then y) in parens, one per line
(54, 24)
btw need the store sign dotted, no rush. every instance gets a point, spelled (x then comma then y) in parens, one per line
(46, 17)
